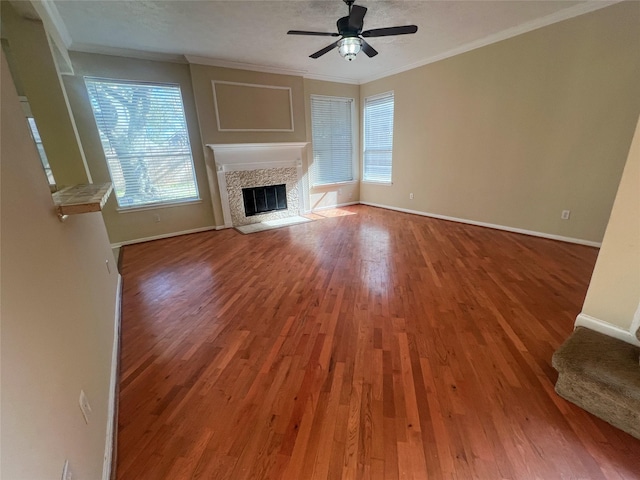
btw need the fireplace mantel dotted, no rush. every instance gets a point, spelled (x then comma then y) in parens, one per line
(238, 157)
(250, 156)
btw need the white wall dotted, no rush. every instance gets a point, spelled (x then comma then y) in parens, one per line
(57, 318)
(614, 292)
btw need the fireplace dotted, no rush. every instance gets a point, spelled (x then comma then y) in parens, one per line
(264, 199)
(271, 174)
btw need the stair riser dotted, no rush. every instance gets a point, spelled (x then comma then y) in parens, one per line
(595, 398)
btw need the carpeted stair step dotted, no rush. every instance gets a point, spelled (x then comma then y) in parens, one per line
(601, 375)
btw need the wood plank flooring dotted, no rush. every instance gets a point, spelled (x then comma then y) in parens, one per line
(367, 345)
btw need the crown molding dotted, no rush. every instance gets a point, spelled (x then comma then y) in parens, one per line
(50, 16)
(127, 52)
(331, 78)
(57, 33)
(566, 14)
(214, 62)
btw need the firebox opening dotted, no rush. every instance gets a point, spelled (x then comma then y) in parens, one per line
(264, 199)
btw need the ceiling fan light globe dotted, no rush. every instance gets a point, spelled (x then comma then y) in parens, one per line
(349, 47)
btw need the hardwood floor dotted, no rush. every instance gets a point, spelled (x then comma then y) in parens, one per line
(373, 345)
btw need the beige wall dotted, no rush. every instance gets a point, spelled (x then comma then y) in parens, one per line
(126, 226)
(515, 132)
(57, 312)
(34, 64)
(202, 77)
(331, 195)
(248, 107)
(509, 134)
(614, 291)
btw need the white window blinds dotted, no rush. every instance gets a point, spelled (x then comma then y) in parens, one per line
(144, 135)
(378, 138)
(332, 140)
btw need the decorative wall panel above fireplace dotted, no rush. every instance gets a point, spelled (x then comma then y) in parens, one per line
(245, 107)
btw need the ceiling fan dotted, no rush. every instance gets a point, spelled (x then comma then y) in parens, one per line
(350, 29)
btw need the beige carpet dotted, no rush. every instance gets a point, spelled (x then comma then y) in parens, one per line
(271, 224)
(601, 374)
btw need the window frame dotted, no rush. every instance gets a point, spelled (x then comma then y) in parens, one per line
(352, 126)
(173, 202)
(391, 94)
(37, 140)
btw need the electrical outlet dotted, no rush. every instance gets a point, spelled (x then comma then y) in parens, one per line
(411, 196)
(565, 214)
(84, 406)
(67, 474)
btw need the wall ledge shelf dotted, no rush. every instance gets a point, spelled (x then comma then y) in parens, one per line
(83, 198)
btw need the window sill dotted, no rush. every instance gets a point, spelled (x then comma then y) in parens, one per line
(336, 184)
(371, 182)
(157, 206)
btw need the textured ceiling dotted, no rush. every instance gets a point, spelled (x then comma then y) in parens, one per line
(254, 32)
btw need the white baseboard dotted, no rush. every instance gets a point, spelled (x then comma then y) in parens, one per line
(164, 235)
(606, 328)
(550, 236)
(329, 207)
(635, 323)
(111, 412)
(532, 233)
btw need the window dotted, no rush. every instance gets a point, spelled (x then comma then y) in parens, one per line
(378, 138)
(43, 156)
(144, 135)
(332, 140)
(26, 108)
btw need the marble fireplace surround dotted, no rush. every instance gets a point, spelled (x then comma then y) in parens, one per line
(244, 165)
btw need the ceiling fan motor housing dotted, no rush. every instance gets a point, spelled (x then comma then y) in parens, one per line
(344, 30)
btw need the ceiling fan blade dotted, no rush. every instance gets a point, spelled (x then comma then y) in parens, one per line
(368, 49)
(317, 34)
(356, 17)
(326, 49)
(385, 32)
